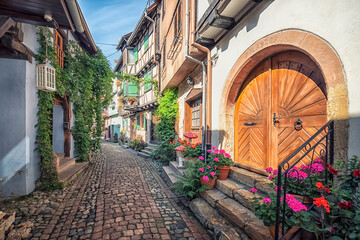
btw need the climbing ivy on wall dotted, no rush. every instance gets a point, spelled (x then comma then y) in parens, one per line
(88, 81)
(165, 129)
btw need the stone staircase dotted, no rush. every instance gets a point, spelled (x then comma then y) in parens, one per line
(146, 153)
(168, 172)
(68, 168)
(228, 210)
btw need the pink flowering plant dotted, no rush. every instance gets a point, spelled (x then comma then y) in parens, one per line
(206, 171)
(219, 157)
(265, 210)
(301, 179)
(189, 184)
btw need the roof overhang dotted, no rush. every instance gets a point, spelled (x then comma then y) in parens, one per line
(33, 12)
(220, 17)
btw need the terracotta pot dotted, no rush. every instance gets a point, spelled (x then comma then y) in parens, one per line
(288, 235)
(210, 183)
(306, 200)
(224, 172)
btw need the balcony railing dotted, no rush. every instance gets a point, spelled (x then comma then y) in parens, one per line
(319, 146)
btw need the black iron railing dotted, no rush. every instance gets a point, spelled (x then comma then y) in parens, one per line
(319, 146)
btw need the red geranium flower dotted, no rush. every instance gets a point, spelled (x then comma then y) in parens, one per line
(331, 169)
(356, 173)
(322, 202)
(345, 205)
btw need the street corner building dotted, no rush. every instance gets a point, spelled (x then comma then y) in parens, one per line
(19, 158)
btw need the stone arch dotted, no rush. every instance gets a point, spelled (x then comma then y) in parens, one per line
(320, 52)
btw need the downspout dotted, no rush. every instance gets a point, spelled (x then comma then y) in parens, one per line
(75, 15)
(204, 95)
(209, 75)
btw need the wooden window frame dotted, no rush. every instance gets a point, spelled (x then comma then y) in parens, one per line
(195, 104)
(59, 48)
(177, 21)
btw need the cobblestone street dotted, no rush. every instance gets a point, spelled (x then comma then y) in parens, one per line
(120, 196)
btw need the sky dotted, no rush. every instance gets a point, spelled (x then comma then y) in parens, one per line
(109, 20)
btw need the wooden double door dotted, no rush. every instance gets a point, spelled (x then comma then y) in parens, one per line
(280, 106)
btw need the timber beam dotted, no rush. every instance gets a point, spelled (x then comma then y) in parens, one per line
(5, 24)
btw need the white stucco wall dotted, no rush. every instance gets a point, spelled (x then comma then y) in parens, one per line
(338, 22)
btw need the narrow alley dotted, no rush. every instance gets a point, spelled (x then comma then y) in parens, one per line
(120, 196)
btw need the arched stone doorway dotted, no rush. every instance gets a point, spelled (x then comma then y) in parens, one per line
(319, 52)
(283, 89)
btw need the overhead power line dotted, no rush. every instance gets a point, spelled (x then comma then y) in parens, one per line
(109, 44)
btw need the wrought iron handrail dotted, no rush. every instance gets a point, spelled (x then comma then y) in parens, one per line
(327, 155)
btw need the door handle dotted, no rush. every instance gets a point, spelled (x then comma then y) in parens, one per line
(249, 124)
(275, 119)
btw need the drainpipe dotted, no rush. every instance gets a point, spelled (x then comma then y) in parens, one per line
(75, 16)
(209, 75)
(204, 102)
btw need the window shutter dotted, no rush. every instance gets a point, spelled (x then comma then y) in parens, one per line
(135, 54)
(146, 42)
(132, 90)
(137, 122)
(124, 89)
(145, 122)
(147, 86)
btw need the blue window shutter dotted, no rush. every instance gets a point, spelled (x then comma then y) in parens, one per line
(132, 89)
(147, 86)
(135, 54)
(146, 42)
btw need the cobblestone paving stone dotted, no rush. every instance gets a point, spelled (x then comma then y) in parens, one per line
(120, 196)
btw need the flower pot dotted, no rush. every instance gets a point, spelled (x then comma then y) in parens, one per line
(288, 235)
(306, 200)
(224, 172)
(210, 183)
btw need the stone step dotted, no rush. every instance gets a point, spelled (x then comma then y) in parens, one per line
(237, 191)
(169, 175)
(250, 179)
(152, 145)
(243, 218)
(212, 220)
(68, 174)
(66, 162)
(143, 154)
(174, 165)
(60, 155)
(147, 151)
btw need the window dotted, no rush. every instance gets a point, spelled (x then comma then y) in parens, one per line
(131, 57)
(137, 122)
(177, 21)
(163, 9)
(147, 86)
(164, 53)
(145, 122)
(195, 114)
(59, 49)
(146, 42)
(135, 54)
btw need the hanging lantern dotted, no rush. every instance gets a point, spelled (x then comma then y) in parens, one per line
(45, 77)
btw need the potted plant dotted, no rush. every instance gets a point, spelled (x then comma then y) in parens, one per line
(191, 151)
(221, 160)
(336, 214)
(265, 210)
(207, 173)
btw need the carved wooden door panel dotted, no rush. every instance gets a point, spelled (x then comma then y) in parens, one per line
(298, 101)
(251, 124)
(280, 91)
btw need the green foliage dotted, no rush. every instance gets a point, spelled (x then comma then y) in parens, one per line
(138, 144)
(343, 219)
(192, 150)
(87, 80)
(189, 184)
(166, 113)
(124, 77)
(165, 129)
